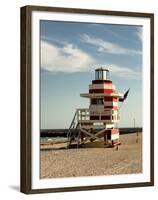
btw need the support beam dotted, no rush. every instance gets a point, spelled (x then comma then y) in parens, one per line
(92, 136)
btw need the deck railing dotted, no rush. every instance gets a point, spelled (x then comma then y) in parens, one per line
(83, 114)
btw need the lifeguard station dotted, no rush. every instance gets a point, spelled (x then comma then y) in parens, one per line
(99, 121)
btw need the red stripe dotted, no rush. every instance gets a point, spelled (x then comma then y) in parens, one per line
(111, 99)
(94, 117)
(112, 131)
(111, 107)
(101, 81)
(115, 131)
(108, 91)
(103, 117)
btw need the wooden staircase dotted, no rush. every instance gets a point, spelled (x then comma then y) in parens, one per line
(73, 134)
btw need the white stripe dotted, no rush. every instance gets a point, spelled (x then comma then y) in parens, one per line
(114, 136)
(100, 95)
(96, 108)
(110, 103)
(102, 86)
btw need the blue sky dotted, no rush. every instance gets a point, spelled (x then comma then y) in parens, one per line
(70, 52)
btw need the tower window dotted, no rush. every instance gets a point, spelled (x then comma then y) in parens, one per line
(98, 101)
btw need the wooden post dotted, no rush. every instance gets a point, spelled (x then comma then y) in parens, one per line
(105, 138)
(137, 137)
(78, 138)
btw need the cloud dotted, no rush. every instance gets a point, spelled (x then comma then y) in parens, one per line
(104, 46)
(70, 59)
(123, 72)
(52, 40)
(67, 58)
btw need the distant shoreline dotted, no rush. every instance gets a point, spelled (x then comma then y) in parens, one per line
(63, 132)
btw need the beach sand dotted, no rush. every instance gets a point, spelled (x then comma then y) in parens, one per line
(94, 161)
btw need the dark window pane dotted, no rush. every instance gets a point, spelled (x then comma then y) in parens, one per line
(99, 101)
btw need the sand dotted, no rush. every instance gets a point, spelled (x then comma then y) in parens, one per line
(93, 159)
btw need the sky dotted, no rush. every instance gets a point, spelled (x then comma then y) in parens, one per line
(71, 51)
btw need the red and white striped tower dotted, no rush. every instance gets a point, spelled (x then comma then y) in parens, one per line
(103, 109)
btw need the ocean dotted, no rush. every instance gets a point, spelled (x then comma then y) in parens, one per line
(55, 139)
